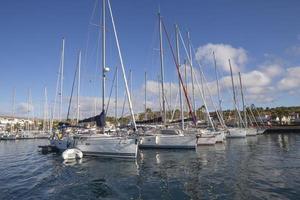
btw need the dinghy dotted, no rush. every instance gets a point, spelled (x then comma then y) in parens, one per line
(72, 154)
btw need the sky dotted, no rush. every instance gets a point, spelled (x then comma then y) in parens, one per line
(262, 39)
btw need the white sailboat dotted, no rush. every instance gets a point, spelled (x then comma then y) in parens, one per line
(249, 130)
(101, 144)
(171, 138)
(237, 132)
(60, 139)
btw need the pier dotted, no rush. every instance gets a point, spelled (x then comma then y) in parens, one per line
(283, 129)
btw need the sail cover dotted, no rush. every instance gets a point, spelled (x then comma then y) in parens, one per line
(99, 119)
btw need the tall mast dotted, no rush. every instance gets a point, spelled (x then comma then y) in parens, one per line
(45, 110)
(131, 82)
(116, 96)
(13, 107)
(62, 77)
(13, 103)
(28, 107)
(170, 101)
(162, 71)
(78, 88)
(122, 66)
(145, 96)
(233, 91)
(103, 57)
(192, 71)
(159, 94)
(178, 61)
(243, 102)
(186, 83)
(217, 79)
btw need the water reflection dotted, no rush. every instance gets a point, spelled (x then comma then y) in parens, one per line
(261, 167)
(283, 141)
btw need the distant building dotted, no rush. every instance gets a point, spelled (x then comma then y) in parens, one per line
(263, 118)
(8, 121)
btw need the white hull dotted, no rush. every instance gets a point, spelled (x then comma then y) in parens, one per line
(168, 142)
(70, 154)
(260, 131)
(8, 137)
(106, 146)
(206, 140)
(220, 136)
(251, 132)
(236, 133)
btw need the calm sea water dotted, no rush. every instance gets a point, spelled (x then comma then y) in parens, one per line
(262, 167)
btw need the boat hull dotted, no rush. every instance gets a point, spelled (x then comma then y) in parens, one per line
(102, 146)
(168, 142)
(236, 133)
(251, 132)
(220, 137)
(206, 140)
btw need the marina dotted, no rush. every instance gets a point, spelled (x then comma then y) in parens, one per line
(261, 167)
(107, 99)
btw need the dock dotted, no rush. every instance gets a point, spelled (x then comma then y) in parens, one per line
(283, 129)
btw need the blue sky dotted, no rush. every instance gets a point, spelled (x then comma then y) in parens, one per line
(266, 34)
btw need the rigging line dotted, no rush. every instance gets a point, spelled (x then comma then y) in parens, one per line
(209, 92)
(180, 77)
(176, 103)
(70, 100)
(122, 66)
(88, 35)
(55, 98)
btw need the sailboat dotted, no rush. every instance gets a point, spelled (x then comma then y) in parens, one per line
(236, 132)
(249, 130)
(172, 138)
(105, 145)
(60, 139)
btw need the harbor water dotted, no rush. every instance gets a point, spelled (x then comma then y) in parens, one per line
(259, 167)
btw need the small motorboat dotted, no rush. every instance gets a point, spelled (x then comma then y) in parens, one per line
(72, 154)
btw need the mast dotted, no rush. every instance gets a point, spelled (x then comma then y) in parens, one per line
(116, 97)
(131, 83)
(186, 82)
(180, 93)
(170, 101)
(13, 103)
(103, 57)
(62, 77)
(28, 107)
(159, 95)
(13, 108)
(243, 102)
(234, 95)
(218, 88)
(122, 66)
(192, 71)
(162, 71)
(45, 110)
(145, 95)
(78, 88)
(232, 83)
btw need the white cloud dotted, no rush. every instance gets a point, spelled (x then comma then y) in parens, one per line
(272, 70)
(223, 52)
(291, 79)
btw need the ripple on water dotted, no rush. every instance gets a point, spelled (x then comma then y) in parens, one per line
(263, 167)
